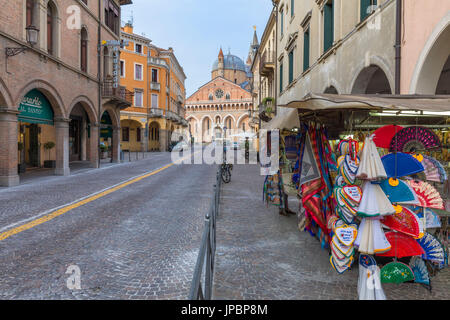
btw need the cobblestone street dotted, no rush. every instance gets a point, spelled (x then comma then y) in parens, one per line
(262, 255)
(140, 242)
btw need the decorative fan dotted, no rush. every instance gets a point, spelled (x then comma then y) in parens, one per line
(398, 191)
(406, 165)
(383, 136)
(396, 272)
(414, 139)
(371, 238)
(403, 221)
(402, 246)
(420, 271)
(374, 202)
(427, 194)
(434, 171)
(434, 251)
(370, 167)
(432, 219)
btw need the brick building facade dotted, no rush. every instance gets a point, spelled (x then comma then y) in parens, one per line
(59, 89)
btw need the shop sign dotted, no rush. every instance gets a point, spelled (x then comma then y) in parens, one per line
(35, 108)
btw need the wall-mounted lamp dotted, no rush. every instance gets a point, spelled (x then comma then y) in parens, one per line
(32, 39)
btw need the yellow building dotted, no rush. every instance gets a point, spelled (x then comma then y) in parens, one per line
(157, 80)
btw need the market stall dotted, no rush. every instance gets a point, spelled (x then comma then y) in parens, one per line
(372, 175)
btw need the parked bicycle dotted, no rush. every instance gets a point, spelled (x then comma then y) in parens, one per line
(226, 172)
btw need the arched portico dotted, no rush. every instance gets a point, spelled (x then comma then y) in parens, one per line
(371, 80)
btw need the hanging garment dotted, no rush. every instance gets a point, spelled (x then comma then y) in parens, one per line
(370, 167)
(369, 283)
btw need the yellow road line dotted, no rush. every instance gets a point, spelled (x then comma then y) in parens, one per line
(67, 208)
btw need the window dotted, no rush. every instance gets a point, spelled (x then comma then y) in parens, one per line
(138, 97)
(306, 50)
(138, 134)
(367, 7)
(229, 123)
(125, 134)
(83, 53)
(154, 101)
(227, 97)
(122, 68)
(282, 22)
(154, 75)
(111, 15)
(30, 13)
(281, 77)
(50, 31)
(138, 71)
(292, 8)
(106, 62)
(291, 66)
(243, 126)
(210, 97)
(328, 25)
(138, 48)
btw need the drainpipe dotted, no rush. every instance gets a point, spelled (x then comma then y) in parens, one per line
(99, 78)
(398, 46)
(275, 7)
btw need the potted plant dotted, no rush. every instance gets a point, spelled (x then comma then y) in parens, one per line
(49, 163)
(22, 167)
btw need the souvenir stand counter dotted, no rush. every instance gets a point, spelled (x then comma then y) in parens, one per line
(374, 190)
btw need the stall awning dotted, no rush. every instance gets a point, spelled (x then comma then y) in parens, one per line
(317, 102)
(286, 118)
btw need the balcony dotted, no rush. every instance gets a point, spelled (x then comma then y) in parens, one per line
(158, 62)
(155, 86)
(156, 113)
(120, 95)
(267, 64)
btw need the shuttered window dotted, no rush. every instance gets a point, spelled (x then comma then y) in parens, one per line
(328, 19)
(281, 78)
(292, 8)
(83, 50)
(306, 50)
(49, 30)
(367, 7)
(291, 66)
(30, 4)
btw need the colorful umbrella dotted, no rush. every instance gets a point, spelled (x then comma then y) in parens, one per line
(404, 221)
(402, 246)
(396, 272)
(428, 196)
(383, 136)
(401, 164)
(413, 139)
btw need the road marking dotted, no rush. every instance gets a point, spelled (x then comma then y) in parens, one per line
(56, 212)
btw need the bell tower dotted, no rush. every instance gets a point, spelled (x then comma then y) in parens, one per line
(221, 66)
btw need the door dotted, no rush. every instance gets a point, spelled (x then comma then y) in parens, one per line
(75, 139)
(33, 150)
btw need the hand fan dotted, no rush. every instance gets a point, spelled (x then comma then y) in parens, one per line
(398, 191)
(434, 171)
(404, 221)
(406, 165)
(374, 202)
(396, 272)
(433, 249)
(432, 219)
(370, 166)
(420, 270)
(402, 246)
(413, 139)
(427, 194)
(383, 136)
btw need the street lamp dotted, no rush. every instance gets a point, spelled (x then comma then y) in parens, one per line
(32, 39)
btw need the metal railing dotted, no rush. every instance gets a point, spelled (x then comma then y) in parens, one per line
(204, 267)
(120, 93)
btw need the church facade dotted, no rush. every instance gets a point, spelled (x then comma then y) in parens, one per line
(220, 108)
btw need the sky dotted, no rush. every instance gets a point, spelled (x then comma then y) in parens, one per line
(196, 29)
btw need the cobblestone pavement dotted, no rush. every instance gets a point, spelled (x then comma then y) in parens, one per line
(140, 242)
(262, 255)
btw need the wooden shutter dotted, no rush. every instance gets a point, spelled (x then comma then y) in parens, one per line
(364, 4)
(328, 37)
(30, 5)
(49, 30)
(291, 66)
(281, 78)
(306, 50)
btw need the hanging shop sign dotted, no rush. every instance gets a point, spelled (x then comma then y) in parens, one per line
(35, 108)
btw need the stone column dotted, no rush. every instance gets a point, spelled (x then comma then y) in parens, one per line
(93, 145)
(116, 145)
(144, 138)
(62, 146)
(8, 147)
(163, 140)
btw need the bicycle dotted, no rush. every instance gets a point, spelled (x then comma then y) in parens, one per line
(225, 172)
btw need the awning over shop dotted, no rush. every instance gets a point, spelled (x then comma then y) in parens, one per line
(35, 108)
(317, 102)
(286, 118)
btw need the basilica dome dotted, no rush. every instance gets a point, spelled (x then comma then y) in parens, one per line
(231, 62)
